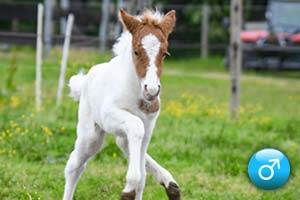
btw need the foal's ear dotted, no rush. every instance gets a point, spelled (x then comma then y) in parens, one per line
(167, 24)
(129, 22)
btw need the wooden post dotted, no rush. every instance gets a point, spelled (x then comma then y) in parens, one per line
(129, 6)
(104, 24)
(144, 4)
(235, 55)
(139, 6)
(48, 27)
(64, 59)
(118, 24)
(38, 74)
(204, 31)
(14, 25)
(159, 7)
(64, 4)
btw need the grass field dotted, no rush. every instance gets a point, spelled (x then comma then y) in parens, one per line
(194, 138)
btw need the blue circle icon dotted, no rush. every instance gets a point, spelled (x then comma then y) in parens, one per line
(269, 169)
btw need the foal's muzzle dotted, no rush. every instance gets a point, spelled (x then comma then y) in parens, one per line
(150, 93)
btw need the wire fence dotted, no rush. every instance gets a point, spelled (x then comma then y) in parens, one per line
(19, 28)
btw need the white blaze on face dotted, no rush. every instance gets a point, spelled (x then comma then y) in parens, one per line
(151, 44)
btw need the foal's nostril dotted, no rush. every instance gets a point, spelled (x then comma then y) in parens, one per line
(145, 88)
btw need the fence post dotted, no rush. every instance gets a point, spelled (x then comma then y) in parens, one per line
(204, 31)
(118, 24)
(142, 4)
(104, 24)
(139, 6)
(64, 59)
(38, 74)
(235, 55)
(129, 6)
(15, 24)
(159, 7)
(48, 26)
(64, 4)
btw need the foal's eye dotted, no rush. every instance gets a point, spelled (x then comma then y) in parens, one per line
(136, 53)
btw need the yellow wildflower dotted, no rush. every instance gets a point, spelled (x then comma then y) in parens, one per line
(175, 108)
(209, 111)
(264, 120)
(14, 101)
(242, 110)
(18, 129)
(47, 130)
(13, 124)
(193, 108)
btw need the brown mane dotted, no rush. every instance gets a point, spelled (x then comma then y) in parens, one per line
(147, 18)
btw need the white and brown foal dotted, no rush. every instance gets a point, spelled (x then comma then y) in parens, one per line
(121, 97)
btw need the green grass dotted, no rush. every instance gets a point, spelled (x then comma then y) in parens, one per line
(194, 138)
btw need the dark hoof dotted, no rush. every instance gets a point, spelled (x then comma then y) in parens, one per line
(128, 195)
(173, 191)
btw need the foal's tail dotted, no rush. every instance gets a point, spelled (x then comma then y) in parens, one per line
(75, 85)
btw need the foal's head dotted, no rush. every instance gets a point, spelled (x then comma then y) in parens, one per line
(150, 34)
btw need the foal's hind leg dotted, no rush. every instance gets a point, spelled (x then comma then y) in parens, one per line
(89, 141)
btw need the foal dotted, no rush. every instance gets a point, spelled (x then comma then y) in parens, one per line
(122, 97)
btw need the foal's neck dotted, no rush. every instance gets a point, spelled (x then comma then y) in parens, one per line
(123, 49)
(129, 71)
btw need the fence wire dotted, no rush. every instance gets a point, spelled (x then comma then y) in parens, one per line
(186, 36)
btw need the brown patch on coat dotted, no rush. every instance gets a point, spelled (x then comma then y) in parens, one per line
(149, 107)
(128, 195)
(141, 60)
(139, 28)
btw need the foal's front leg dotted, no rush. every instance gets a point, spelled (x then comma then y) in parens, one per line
(135, 135)
(149, 125)
(131, 127)
(163, 177)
